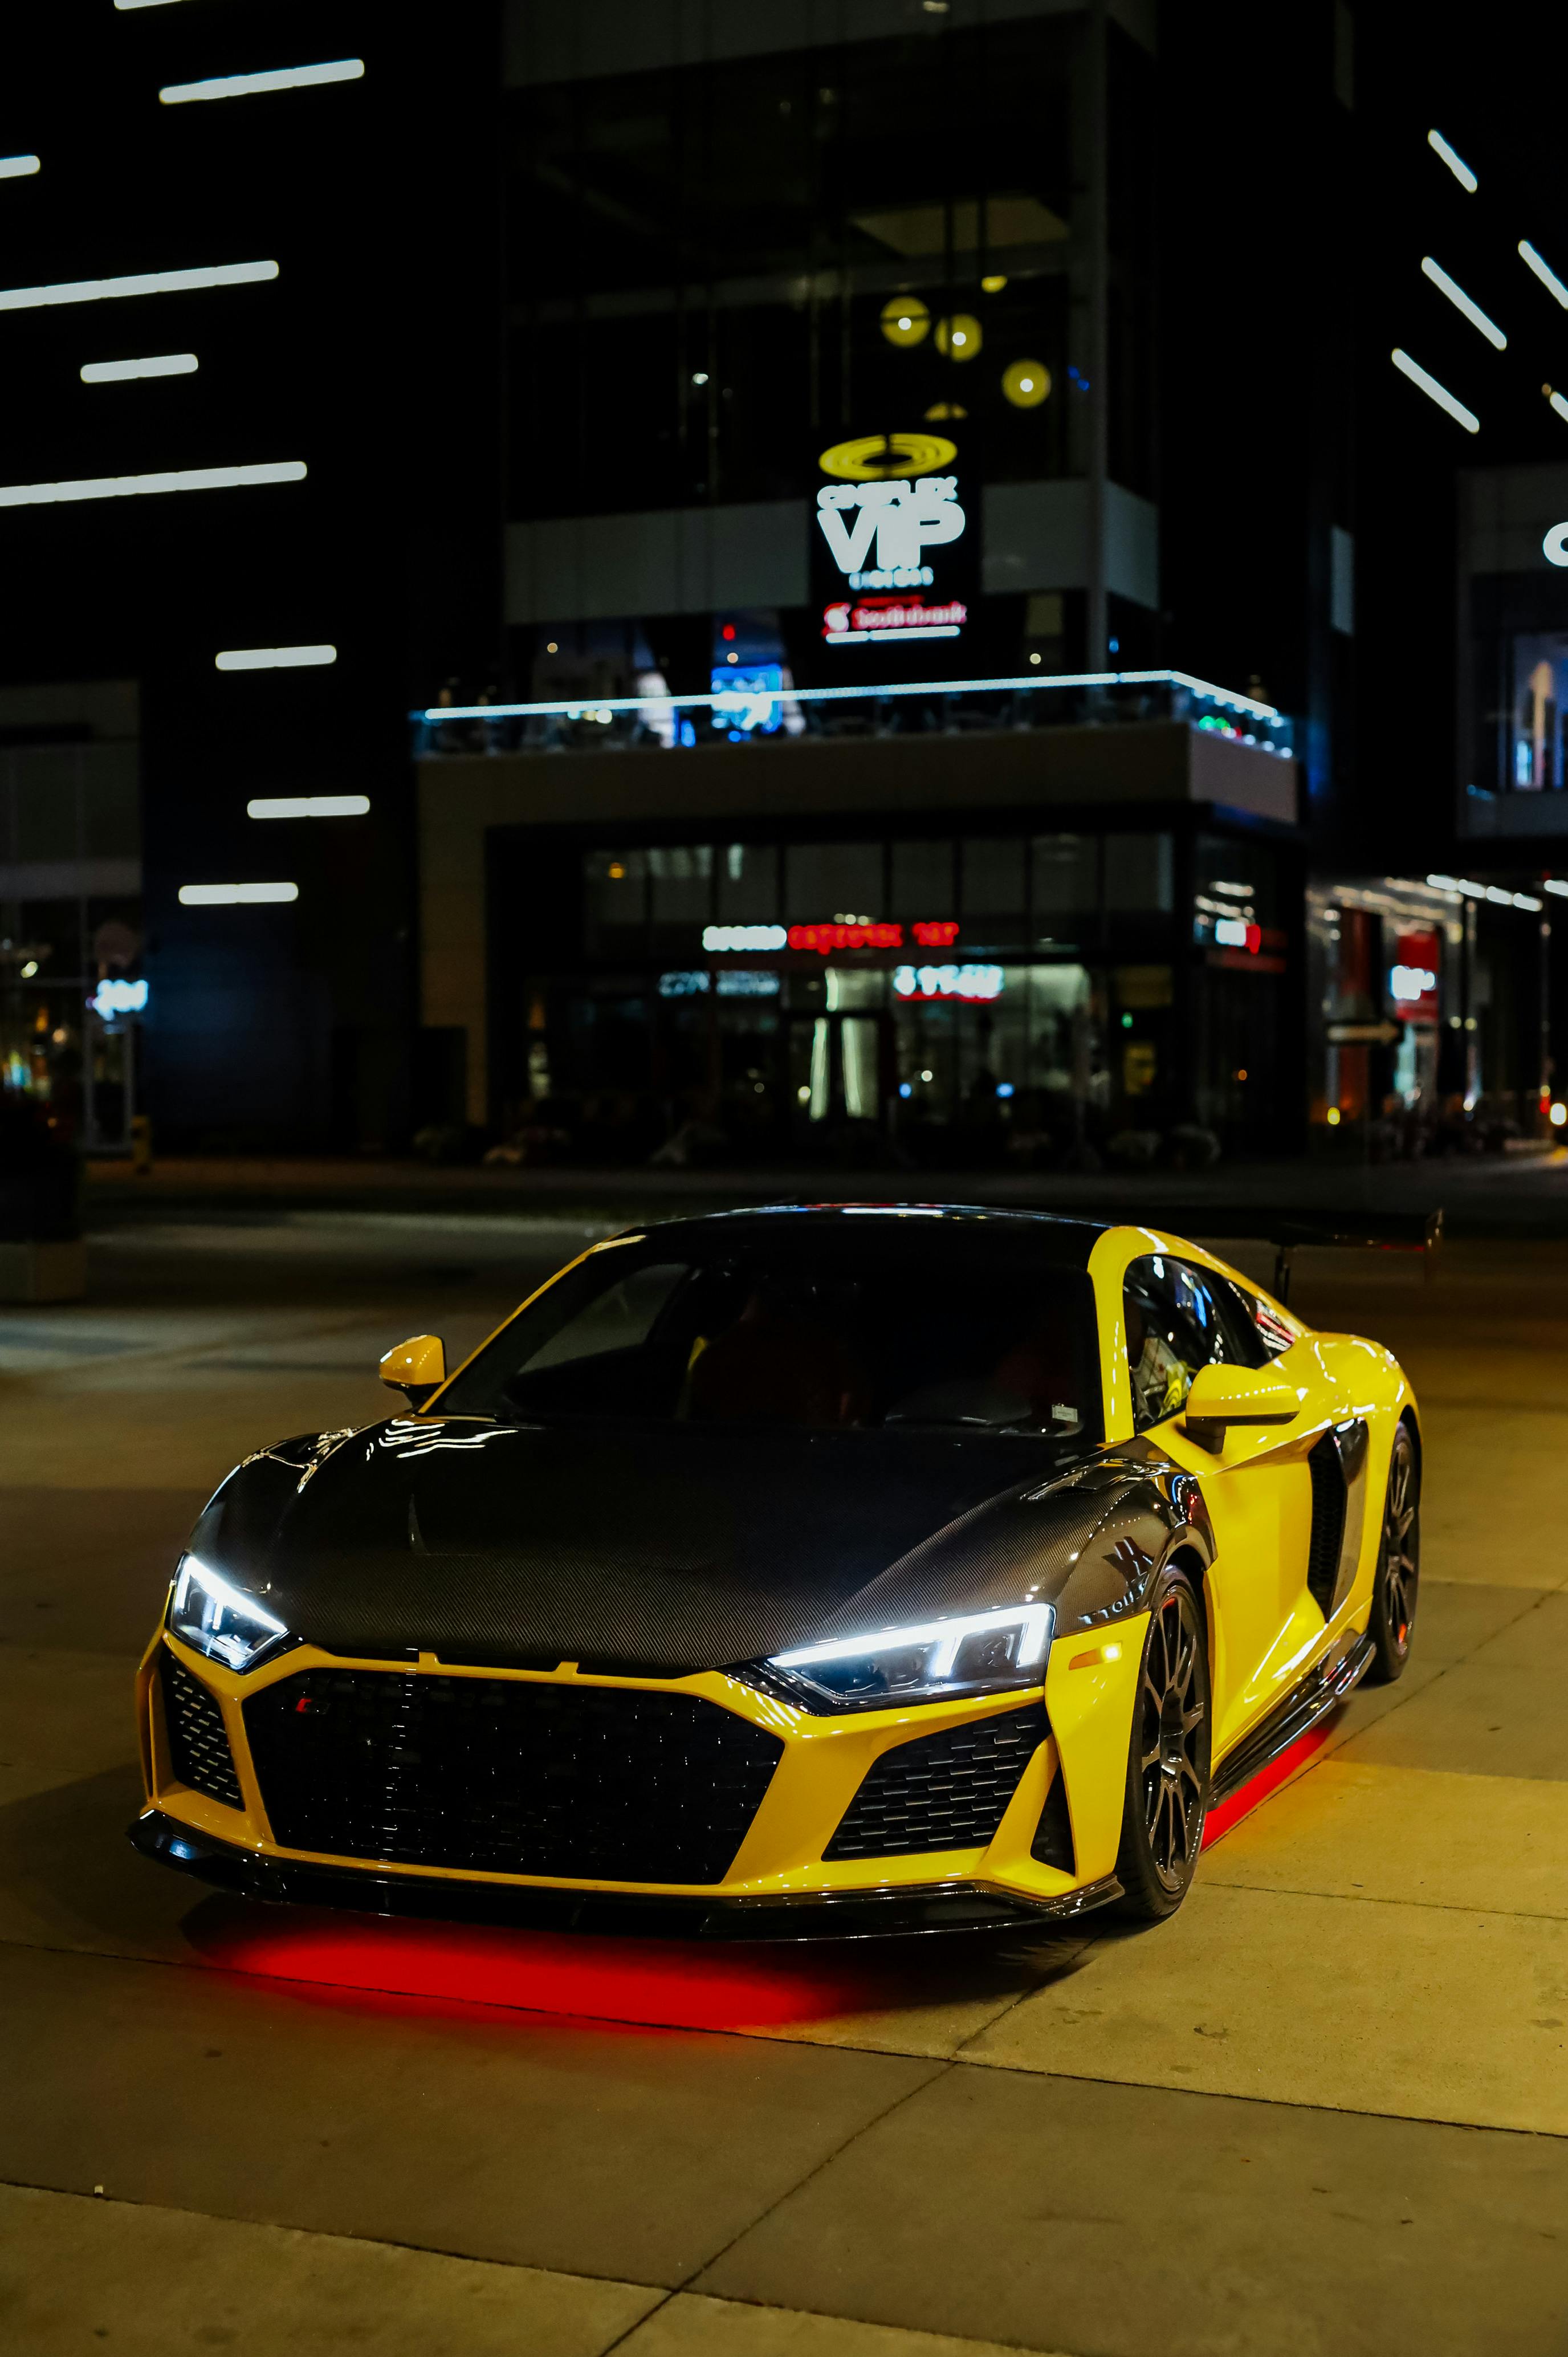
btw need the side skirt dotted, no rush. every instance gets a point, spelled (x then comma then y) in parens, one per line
(1320, 1692)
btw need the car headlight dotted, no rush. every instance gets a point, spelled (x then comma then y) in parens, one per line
(982, 1653)
(219, 1619)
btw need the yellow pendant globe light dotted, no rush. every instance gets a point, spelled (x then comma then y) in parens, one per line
(1025, 384)
(905, 320)
(959, 338)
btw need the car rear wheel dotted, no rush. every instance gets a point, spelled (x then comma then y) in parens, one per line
(1398, 1576)
(1167, 1757)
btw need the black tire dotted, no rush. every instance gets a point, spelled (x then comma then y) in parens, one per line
(1396, 1582)
(1167, 1756)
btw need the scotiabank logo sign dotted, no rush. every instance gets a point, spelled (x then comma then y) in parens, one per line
(892, 519)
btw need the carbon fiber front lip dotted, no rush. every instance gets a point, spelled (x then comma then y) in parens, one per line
(833, 1915)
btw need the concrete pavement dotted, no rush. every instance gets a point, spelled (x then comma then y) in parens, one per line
(1325, 2109)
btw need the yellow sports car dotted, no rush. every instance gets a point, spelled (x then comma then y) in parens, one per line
(777, 1571)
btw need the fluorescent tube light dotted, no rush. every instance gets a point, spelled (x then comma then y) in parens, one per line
(132, 487)
(148, 282)
(17, 167)
(1435, 392)
(274, 658)
(121, 371)
(1556, 401)
(309, 806)
(251, 85)
(1457, 164)
(1547, 276)
(1461, 302)
(229, 896)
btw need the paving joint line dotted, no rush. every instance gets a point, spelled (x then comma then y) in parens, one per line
(942, 2064)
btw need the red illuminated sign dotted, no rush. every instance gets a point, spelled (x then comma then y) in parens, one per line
(932, 934)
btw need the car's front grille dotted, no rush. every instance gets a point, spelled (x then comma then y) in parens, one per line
(198, 1742)
(508, 1776)
(941, 1791)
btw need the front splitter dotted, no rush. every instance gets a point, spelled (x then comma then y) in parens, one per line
(892, 1912)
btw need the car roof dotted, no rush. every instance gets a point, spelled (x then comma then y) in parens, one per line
(1066, 1240)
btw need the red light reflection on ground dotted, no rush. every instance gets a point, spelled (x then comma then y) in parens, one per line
(1266, 1783)
(673, 1984)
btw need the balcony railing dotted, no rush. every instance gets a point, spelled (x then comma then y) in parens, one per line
(760, 702)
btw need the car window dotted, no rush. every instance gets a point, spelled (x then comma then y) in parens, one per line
(615, 1320)
(1178, 1319)
(847, 1328)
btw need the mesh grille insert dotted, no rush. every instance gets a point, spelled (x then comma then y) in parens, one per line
(502, 1776)
(941, 1791)
(199, 1745)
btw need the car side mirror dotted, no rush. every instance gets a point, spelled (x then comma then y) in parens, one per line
(1226, 1395)
(417, 1368)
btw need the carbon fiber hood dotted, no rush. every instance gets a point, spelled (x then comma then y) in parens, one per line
(653, 1549)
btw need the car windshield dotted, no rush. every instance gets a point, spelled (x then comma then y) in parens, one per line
(857, 1328)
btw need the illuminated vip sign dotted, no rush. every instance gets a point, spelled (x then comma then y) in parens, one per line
(891, 526)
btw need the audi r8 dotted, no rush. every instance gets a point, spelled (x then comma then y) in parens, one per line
(806, 1569)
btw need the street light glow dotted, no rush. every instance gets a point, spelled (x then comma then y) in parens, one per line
(1435, 392)
(253, 85)
(1461, 302)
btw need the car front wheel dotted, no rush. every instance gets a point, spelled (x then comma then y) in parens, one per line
(1169, 1756)
(1398, 1575)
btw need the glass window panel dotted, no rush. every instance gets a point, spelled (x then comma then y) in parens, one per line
(748, 884)
(679, 875)
(47, 779)
(993, 872)
(1066, 883)
(922, 880)
(614, 891)
(828, 880)
(1138, 871)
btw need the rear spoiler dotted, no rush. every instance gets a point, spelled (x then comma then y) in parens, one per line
(1407, 1232)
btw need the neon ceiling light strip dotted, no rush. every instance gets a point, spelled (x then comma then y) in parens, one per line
(235, 896)
(1457, 164)
(1543, 271)
(254, 85)
(309, 806)
(148, 281)
(273, 657)
(1435, 392)
(123, 371)
(133, 487)
(864, 638)
(730, 698)
(17, 167)
(1461, 302)
(1558, 404)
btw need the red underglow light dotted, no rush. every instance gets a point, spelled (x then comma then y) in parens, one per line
(1261, 1787)
(674, 1985)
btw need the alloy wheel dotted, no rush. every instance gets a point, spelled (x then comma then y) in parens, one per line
(1401, 1560)
(1172, 1733)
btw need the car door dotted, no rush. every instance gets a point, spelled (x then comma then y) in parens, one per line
(1178, 1318)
